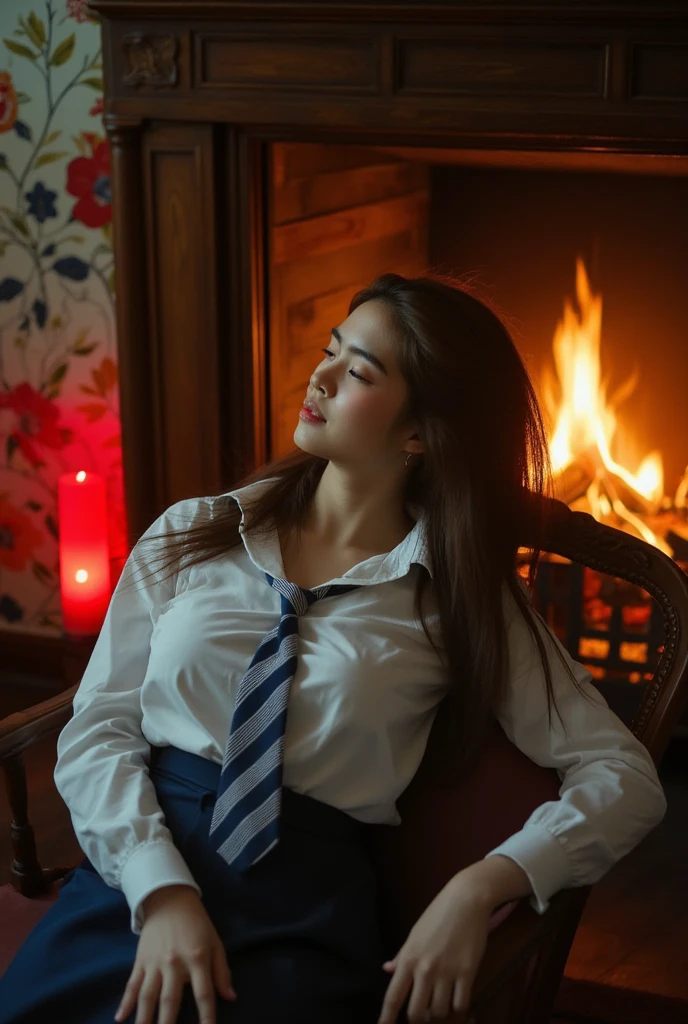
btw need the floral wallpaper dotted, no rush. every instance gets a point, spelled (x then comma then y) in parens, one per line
(59, 402)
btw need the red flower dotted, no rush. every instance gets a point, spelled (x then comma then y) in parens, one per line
(88, 178)
(20, 537)
(8, 102)
(37, 424)
(78, 10)
(97, 108)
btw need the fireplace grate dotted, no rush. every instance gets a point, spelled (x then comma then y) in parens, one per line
(612, 627)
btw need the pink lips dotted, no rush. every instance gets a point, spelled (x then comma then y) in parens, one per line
(309, 416)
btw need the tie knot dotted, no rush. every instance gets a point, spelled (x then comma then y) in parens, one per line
(300, 598)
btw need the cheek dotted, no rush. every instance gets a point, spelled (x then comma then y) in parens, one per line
(366, 412)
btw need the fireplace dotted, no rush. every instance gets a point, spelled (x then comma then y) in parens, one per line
(269, 158)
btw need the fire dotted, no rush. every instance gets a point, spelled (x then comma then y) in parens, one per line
(585, 423)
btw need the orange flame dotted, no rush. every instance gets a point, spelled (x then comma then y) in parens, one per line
(585, 420)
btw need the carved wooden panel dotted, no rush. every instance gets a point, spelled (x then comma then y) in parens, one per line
(660, 72)
(331, 234)
(289, 62)
(180, 209)
(150, 59)
(480, 67)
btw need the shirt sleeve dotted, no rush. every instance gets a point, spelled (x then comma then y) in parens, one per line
(610, 795)
(101, 771)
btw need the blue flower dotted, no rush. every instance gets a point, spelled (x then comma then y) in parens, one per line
(41, 202)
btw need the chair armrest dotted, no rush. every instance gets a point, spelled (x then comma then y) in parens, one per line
(24, 728)
(521, 934)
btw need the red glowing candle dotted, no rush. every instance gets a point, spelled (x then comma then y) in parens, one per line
(84, 555)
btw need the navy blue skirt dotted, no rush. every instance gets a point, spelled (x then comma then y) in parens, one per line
(301, 928)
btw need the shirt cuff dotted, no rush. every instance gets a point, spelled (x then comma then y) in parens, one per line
(152, 866)
(542, 857)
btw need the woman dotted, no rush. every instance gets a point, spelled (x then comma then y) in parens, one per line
(227, 873)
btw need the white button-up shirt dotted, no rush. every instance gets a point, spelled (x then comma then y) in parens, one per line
(167, 665)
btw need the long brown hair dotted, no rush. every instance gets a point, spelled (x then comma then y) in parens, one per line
(484, 467)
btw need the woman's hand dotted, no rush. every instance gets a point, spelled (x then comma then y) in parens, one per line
(441, 955)
(178, 943)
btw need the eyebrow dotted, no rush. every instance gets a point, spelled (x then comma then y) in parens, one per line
(362, 352)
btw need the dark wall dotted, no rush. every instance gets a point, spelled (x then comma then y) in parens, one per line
(522, 230)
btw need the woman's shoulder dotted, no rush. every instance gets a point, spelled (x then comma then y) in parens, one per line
(185, 513)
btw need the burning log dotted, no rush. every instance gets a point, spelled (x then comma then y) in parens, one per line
(571, 482)
(677, 537)
(632, 498)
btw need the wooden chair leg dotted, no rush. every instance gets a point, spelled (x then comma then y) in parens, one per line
(27, 876)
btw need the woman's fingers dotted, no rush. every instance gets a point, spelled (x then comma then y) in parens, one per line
(442, 996)
(170, 998)
(222, 973)
(423, 983)
(148, 998)
(204, 993)
(131, 992)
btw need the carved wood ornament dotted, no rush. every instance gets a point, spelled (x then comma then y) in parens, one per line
(150, 60)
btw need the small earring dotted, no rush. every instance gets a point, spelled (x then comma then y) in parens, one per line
(408, 457)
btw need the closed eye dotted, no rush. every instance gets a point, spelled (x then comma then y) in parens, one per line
(353, 373)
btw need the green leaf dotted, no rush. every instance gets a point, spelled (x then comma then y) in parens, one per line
(19, 49)
(49, 158)
(35, 30)
(111, 280)
(19, 224)
(51, 137)
(63, 52)
(57, 375)
(52, 526)
(23, 97)
(85, 350)
(35, 506)
(93, 83)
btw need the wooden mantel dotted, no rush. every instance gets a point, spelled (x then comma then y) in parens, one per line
(197, 91)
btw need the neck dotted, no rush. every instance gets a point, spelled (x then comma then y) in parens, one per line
(365, 514)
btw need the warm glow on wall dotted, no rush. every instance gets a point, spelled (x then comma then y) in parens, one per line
(84, 556)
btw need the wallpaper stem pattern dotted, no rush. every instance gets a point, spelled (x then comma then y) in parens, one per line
(59, 401)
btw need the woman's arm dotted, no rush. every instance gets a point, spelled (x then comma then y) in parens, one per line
(610, 795)
(102, 763)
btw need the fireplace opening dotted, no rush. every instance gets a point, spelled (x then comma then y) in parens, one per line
(585, 258)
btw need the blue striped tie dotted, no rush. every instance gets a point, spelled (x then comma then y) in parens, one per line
(245, 821)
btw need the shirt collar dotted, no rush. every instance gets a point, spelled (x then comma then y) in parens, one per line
(264, 551)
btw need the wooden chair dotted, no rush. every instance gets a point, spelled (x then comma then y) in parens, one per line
(442, 830)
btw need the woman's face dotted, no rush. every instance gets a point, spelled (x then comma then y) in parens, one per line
(359, 400)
